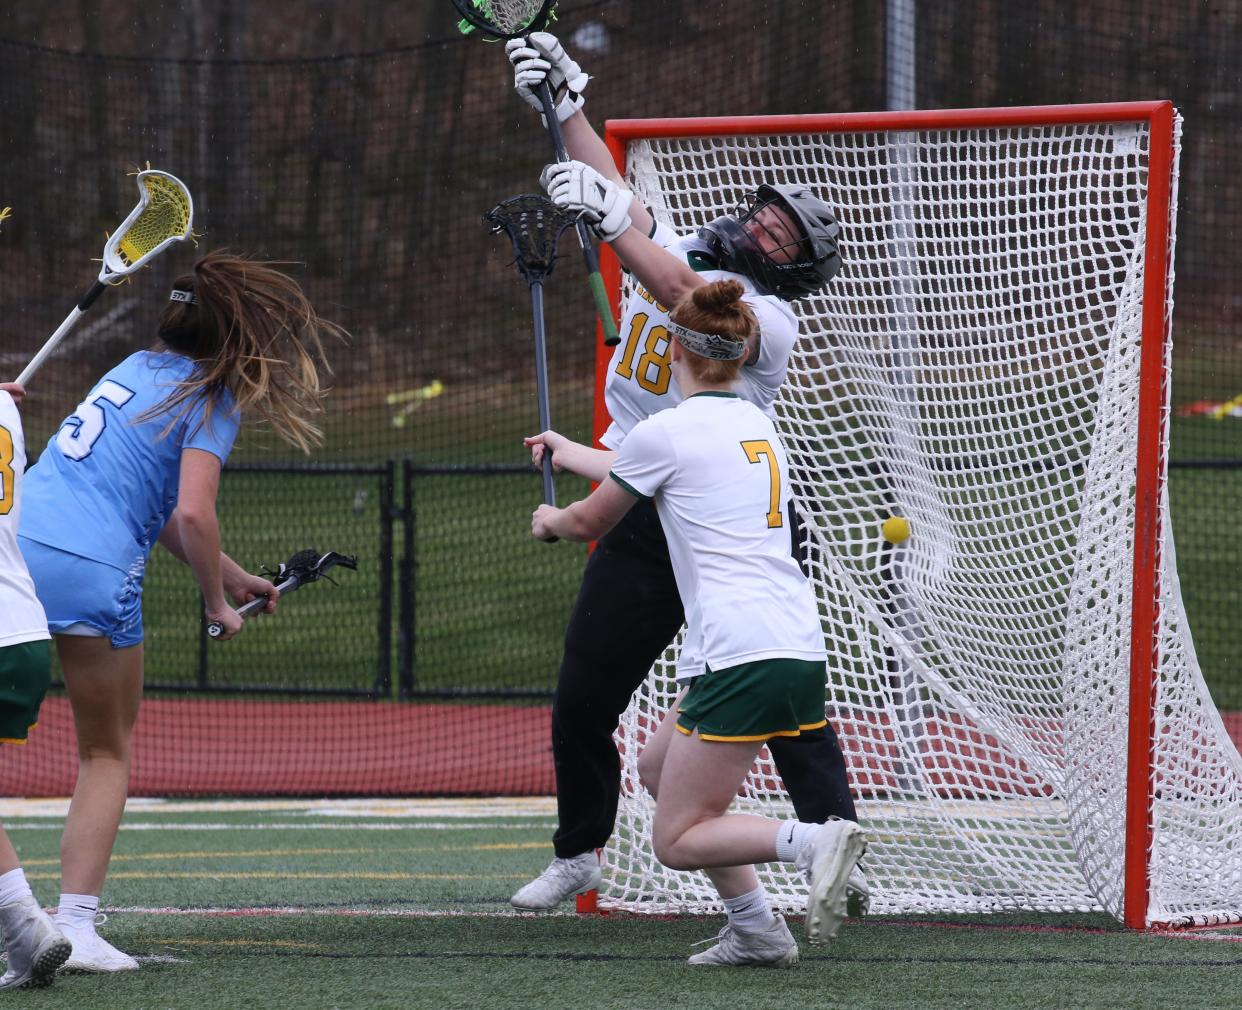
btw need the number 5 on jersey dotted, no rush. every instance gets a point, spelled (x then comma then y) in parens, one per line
(759, 449)
(81, 430)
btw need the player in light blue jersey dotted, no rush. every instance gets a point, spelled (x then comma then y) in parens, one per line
(136, 463)
(108, 481)
(752, 667)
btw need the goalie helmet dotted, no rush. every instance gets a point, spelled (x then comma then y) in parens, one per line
(813, 262)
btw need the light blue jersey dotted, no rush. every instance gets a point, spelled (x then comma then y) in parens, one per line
(107, 482)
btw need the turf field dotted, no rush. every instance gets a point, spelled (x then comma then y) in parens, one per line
(350, 903)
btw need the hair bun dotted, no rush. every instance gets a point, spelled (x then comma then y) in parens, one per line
(719, 296)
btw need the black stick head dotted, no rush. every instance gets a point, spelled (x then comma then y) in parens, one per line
(308, 565)
(534, 225)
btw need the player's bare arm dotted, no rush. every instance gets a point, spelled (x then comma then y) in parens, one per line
(585, 520)
(609, 209)
(569, 455)
(197, 532)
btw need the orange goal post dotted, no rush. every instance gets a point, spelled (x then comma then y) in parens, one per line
(1014, 685)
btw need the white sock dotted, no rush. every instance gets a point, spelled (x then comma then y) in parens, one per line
(791, 837)
(78, 910)
(13, 887)
(750, 911)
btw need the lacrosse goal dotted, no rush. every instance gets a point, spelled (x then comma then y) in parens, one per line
(1015, 685)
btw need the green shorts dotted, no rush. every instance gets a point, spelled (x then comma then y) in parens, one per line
(25, 671)
(755, 701)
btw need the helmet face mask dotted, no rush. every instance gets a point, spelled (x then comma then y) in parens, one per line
(787, 270)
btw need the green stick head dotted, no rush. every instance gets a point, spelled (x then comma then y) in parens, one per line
(503, 19)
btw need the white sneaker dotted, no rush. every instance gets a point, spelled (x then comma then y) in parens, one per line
(773, 947)
(827, 860)
(857, 894)
(91, 952)
(36, 948)
(857, 891)
(562, 879)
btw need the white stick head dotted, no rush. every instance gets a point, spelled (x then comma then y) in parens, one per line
(164, 215)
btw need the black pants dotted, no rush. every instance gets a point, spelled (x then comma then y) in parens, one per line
(627, 612)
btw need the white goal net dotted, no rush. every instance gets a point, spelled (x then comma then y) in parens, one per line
(976, 368)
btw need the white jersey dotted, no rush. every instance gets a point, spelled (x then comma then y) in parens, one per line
(21, 615)
(717, 471)
(640, 381)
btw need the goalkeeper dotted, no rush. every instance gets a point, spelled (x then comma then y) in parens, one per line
(781, 244)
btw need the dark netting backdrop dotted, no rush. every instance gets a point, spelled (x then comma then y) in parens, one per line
(363, 149)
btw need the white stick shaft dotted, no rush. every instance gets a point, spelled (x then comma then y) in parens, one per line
(50, 346)
(215, 628)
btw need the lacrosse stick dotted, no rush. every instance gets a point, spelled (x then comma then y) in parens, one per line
(303, 567)
(534, 225)
(500, 20)
(164, 215)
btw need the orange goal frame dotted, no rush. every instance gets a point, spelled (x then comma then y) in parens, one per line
(1153, 395)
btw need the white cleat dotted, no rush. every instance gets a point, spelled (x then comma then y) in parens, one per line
(92, 953)
(561, 880)
(857, 894)
(773, 947)
(827, 860)
(36, 948)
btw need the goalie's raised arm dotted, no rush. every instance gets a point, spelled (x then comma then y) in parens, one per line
(612, 213)
(540, 57)
(579, 189)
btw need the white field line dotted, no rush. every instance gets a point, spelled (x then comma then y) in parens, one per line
(469, 808)
(16, 825)
(566, 911)
(380, 913)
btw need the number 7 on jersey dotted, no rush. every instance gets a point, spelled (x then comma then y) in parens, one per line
(761, 448)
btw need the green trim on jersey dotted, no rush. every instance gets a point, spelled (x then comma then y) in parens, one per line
(700, 261)
(632, 490)
(755, 701)
(724, 393)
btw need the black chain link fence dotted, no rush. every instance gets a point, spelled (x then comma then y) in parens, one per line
(369, 174)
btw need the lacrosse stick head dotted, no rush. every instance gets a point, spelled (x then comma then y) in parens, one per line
(496, 20)
(534, 225)
(165, 214)
(309, 566)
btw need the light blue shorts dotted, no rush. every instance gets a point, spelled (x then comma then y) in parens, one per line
(85, 597)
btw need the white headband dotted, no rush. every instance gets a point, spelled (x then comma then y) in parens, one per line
(177, 295)
(708, 345)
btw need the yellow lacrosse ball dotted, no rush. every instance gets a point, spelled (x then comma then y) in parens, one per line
(896, 530)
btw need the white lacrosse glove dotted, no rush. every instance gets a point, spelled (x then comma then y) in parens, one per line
(539, 57)
(580, 189)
